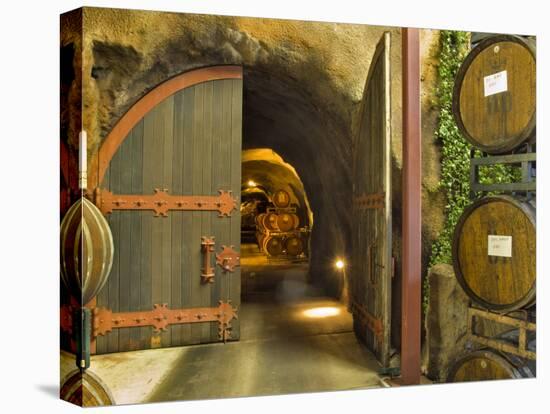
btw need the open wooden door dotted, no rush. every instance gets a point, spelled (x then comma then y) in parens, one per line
(168, 181)
(371, 270)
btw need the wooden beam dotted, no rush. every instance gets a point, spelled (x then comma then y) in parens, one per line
(412, 217)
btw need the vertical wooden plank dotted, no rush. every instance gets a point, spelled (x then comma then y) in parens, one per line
(177, 216)
(125, 245)
(205, 146)
(114, 223)
(168, 125)
(188, 279)
(103, 297)
(225, 179)
(136, 231)
(156, 134)
(217, 169)
(146, 277)
(235, 221)
(198, 165)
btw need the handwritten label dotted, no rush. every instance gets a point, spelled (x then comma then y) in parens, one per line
(495, 83)
(500, 246)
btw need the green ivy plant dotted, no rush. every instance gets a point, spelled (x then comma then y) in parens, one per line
(455, 150)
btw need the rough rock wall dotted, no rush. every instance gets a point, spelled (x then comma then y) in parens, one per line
(446, 322)
(71, 77)
(303, 85)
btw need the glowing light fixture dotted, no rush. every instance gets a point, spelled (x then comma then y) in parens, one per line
(251, 183)
(322, 312)
(339, 264)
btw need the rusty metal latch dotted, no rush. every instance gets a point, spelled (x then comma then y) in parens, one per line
(207, 248)
(370, 201)
(161, 202)
(371, 257)
(228, 259)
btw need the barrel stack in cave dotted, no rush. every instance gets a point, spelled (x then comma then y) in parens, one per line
(278, 231)
(494, 245)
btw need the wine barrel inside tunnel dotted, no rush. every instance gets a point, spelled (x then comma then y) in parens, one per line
(273, 245)
(268, 221)
(494, 98)
(494, 251)
(281, 198)
(287, 221)
(294, 245)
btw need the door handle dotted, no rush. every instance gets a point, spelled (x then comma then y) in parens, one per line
(371, 258)
(207, 248)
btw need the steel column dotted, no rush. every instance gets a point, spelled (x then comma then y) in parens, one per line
(412, 240)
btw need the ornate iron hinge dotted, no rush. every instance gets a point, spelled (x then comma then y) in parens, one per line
(161, 202)
(370, 201)
(374, 324)
(160, 317)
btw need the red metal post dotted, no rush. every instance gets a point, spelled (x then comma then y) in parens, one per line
(412, 219)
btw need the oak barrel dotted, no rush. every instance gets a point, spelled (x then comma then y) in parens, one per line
(85, 390)
(494, 97)
(489, 364)
(259, 218)
(294, 245)
(260, 236)
(494, 248)
(87, 250)
(287, 221)
(281, 198)
(270, 222)
(273, 245)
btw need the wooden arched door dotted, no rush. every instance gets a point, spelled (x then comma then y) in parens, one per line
(371, 270)
(168, 181)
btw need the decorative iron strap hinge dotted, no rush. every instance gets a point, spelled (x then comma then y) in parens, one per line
(160, 317)
(374, 324)
(161, 202)
(370, 201)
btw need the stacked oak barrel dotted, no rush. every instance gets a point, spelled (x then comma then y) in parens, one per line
(278, 231)
(494, 244)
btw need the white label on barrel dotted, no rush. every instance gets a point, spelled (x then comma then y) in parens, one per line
(500, 246)
(495, 83)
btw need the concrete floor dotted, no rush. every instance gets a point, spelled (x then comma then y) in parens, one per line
(293, 340)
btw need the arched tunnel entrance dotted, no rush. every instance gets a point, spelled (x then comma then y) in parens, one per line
(290, 145)
(294, 143)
